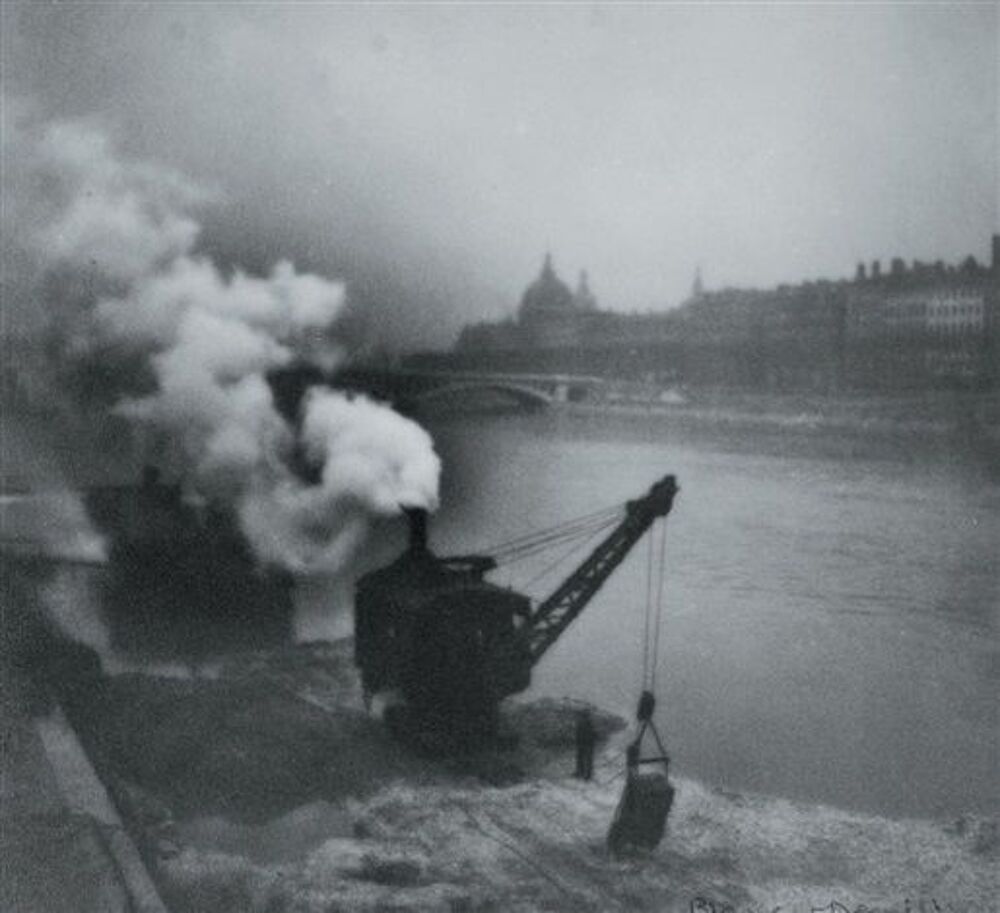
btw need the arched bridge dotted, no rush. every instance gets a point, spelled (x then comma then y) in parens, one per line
(416, 388)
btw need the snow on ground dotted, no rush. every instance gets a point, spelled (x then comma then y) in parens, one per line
(324, 813)
(540, 846)
(452, 842)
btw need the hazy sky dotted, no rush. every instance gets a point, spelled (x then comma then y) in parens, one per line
(431, 154)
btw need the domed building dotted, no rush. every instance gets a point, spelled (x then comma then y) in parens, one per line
(584, 297)
(550, 314)
(547, 295)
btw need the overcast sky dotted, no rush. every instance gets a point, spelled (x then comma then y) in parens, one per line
(431, 154)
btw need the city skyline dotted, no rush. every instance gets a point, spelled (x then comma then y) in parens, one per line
(429, 156)
(701, 284)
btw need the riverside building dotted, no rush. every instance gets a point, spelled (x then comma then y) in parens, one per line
(909, 327)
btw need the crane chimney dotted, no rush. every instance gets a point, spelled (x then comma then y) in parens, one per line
(418, 528)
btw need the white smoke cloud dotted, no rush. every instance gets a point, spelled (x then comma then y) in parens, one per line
(369, 452)
(122, 218)
(208, 340)
(373, 461)
(286, 305)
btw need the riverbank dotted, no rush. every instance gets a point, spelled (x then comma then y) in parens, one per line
(278, 744)
(62, 842)
(540, 846)
(928, 413)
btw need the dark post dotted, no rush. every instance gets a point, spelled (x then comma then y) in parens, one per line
(586, 738)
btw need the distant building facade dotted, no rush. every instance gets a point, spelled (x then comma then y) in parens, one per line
(904, 328)
(928, 324)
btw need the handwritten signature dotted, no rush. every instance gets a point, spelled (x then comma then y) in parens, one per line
(701, 904)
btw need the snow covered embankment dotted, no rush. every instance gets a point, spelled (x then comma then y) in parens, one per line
(452, 843)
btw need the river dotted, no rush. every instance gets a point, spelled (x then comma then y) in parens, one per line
(830, 614)
(829, 630)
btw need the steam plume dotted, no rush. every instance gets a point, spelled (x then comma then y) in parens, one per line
(113, 248)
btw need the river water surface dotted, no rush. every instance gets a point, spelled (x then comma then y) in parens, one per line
(830, 620)
(830, 614)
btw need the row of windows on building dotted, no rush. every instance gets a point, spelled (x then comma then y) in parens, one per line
(908, 329)
(962, 311)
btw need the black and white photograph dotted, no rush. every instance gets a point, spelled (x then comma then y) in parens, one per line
(499, 457)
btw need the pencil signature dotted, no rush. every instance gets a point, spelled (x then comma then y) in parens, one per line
(701, 904)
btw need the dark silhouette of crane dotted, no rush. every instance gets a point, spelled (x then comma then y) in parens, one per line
(441, 646)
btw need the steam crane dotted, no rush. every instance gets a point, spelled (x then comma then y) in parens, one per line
(441, 646)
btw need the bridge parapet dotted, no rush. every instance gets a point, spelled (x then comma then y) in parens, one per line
(533, 390)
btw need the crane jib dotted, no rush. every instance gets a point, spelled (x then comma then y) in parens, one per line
(559, 610)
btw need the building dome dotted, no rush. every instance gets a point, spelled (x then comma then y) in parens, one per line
(547, 296)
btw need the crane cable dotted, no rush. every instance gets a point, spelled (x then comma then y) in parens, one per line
(500, 546)
(575, 547)
(652, 627)
(544, 538)
(641, 812)
(661, 576)
(526, 551)
(653, 614)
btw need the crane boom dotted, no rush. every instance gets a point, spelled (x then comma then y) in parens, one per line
(559, 610)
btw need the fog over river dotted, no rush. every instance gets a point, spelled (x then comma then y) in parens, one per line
(830, 616)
